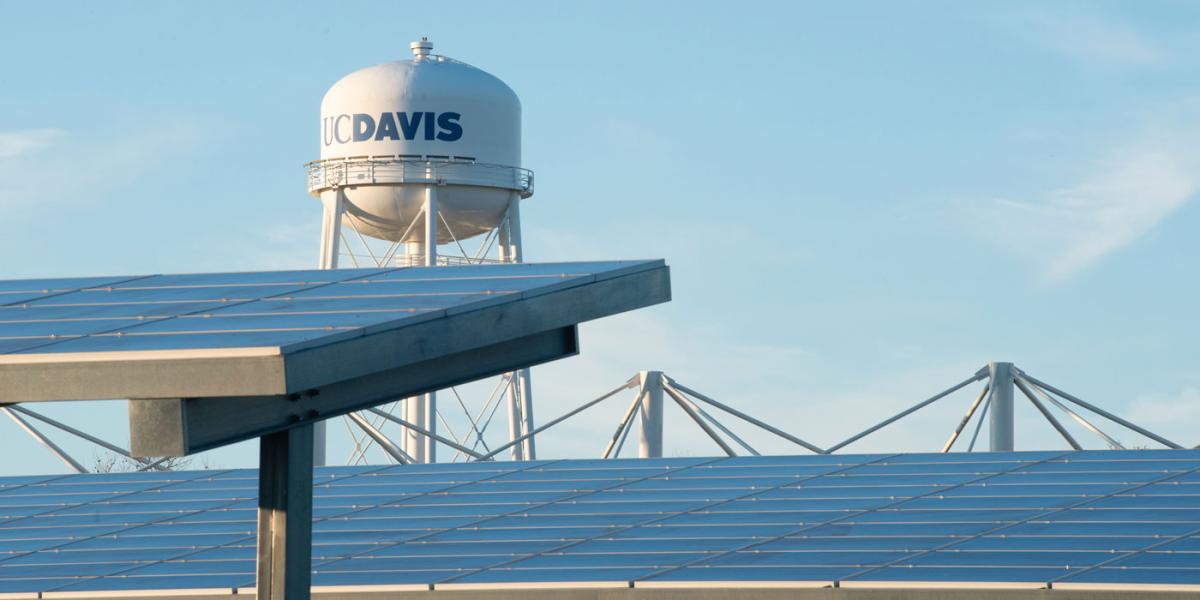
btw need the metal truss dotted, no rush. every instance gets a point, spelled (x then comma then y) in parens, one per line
(994, 399)
(367, 428)
(19, 413)
(1000, 381)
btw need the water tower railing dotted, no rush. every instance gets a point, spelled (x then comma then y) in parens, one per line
(383, 170)
(443, 260)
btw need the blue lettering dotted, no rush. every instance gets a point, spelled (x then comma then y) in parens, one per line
(430, 125)
(361, 127)
(364, 127)
(449, 122)
(387, 128)
(409, 128)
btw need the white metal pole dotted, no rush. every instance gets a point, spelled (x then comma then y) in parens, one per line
(651, 415)
(333, 203)
(503, 244)
(429, 450)
(524, 388)
(514, 418)
(511, 396)
(514, 228)
(331, 227)
(526, 401)
(413, 413)
(1001, 432)
(43, 440)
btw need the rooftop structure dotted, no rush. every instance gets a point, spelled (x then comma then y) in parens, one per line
(209, 360)
(1013, 523)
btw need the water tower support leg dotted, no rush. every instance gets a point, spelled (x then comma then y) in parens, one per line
(414, 412)
(514, 417)
(515, 253)
(1001, 430)
(651, 415)
(331, 243)
(526, 402)
(513, 227)
(517, 392)
(285, 480)
(430, 425)
(331, 228)
(427, 416)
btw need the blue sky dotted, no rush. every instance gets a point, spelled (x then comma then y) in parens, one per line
(862, 203)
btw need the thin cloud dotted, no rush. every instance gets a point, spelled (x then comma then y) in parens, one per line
(1171, 415)
(15, 144)
(1071, 229)
(38, 166)
(1089, 38)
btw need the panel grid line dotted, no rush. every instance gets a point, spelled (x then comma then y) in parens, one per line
(855, 515)
(1124, 556)
(577, 495)
(535, 465)
(73, 290)
(674, 515)
(1039, 516)
(190, 551)
(118, 495)
(98, 500)
(253, 537)
(1124, 518)
(307, 287)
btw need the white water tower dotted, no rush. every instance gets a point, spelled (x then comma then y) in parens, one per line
(418, 153)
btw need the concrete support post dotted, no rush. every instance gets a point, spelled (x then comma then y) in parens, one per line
(285, 480)
(1001, 426)
(651, 414)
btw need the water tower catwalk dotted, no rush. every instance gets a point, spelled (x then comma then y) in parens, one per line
(414, 154)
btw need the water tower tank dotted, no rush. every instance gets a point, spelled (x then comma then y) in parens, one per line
(391, 130)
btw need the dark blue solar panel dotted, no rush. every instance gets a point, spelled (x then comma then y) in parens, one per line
(271, 309)
(1133, 517)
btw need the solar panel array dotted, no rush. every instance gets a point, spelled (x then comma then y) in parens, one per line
(284, 309)
(1029, 517)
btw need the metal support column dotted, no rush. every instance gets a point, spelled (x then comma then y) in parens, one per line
(333, 202)
(511, 396)
(524, 391)
(519, 392)
(1002, 382)
(422, 409)
(429, 400)
(514, 417)
(285, 484)
(331, 228)
(651, 414)
(414, 412)
(526, 402)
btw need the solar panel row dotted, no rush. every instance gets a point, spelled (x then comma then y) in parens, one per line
(274, 309)
(1035, 517)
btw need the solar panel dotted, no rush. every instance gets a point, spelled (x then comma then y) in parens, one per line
(273, 308)
(285, 348)
(1036, 519)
